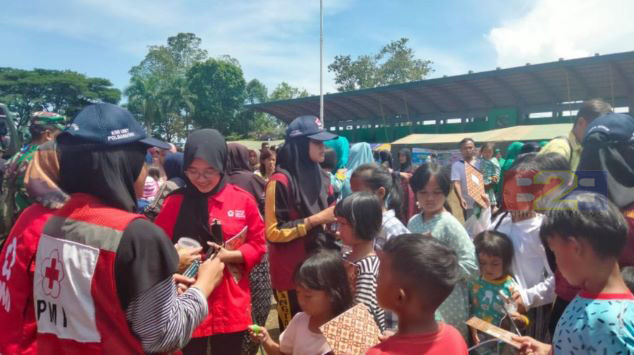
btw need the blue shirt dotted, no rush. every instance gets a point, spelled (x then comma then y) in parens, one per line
(599, 323)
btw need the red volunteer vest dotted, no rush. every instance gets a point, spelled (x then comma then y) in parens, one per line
(77, 308)
(17, 316)
(284, 258)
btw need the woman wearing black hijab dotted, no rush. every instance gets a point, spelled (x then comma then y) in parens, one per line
(240, 173)
(108, 271)
(405, 160)
(189, 212)
(296, 208)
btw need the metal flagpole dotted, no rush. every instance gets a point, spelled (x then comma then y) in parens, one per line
(321, 61)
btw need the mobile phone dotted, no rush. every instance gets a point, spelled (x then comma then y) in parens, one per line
(192, 270)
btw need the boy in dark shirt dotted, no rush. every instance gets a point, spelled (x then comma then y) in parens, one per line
(416, 274)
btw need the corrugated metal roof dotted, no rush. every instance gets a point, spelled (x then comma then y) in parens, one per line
(508, 134)
(531, 86)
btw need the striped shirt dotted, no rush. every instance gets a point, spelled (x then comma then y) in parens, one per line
(390, 227)
(367, 271)
(163, 320)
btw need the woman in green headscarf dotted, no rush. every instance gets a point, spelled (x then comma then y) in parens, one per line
(341, 146)
(512, 152)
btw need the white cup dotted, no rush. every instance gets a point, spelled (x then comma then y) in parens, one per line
(185, 242)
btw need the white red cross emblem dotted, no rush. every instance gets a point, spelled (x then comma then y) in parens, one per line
(52, 274)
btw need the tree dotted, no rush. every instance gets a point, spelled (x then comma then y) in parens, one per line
(218, 93)
(62, 91)
(284, 91)
(256, 92)
(259, 125)
(158, 94)
(394, 64)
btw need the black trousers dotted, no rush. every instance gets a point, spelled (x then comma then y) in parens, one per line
(219, 344)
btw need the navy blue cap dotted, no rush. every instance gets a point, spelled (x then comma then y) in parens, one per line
(308, 126)
(617, 127)
(109, 125)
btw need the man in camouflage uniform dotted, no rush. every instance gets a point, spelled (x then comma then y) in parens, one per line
(44, 127)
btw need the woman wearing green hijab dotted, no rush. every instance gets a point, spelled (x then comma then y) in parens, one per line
(512, 152)
(341, 146)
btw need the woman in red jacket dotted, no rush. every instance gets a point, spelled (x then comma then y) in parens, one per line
(190, 211)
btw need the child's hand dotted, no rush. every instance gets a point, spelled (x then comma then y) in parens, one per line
(258, 334)
(517, 298)
(385, 335)
(520, 318)
(532, 346)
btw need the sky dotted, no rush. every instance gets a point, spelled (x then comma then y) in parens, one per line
(278, 40)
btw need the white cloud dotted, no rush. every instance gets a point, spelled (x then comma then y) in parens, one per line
(554, 29)
(444, 63)
(274, 40)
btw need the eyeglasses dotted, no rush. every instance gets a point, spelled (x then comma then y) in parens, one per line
(195, 174)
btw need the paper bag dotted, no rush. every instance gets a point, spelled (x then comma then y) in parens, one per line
(475, 184)
(352, 332)
(493, 331)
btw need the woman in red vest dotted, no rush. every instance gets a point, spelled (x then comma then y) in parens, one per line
(92, 276)
(296, 209)
(189, 212)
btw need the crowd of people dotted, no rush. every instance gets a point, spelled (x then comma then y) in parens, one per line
(113, 241)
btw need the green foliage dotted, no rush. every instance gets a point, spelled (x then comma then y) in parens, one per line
(177, 88)
(256, 92)
(65, 92)
(261, 126)
(286, 92)
(158, 94)
(393, 64)
(218, 89)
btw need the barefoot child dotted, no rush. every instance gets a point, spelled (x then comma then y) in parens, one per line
(587, 234)
(359, 220)
(417, 273)
(323, 293)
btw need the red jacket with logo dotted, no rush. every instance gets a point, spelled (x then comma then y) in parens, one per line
(230, 303)
(17, 262)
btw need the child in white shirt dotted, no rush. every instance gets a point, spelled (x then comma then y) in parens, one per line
(323, 292)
